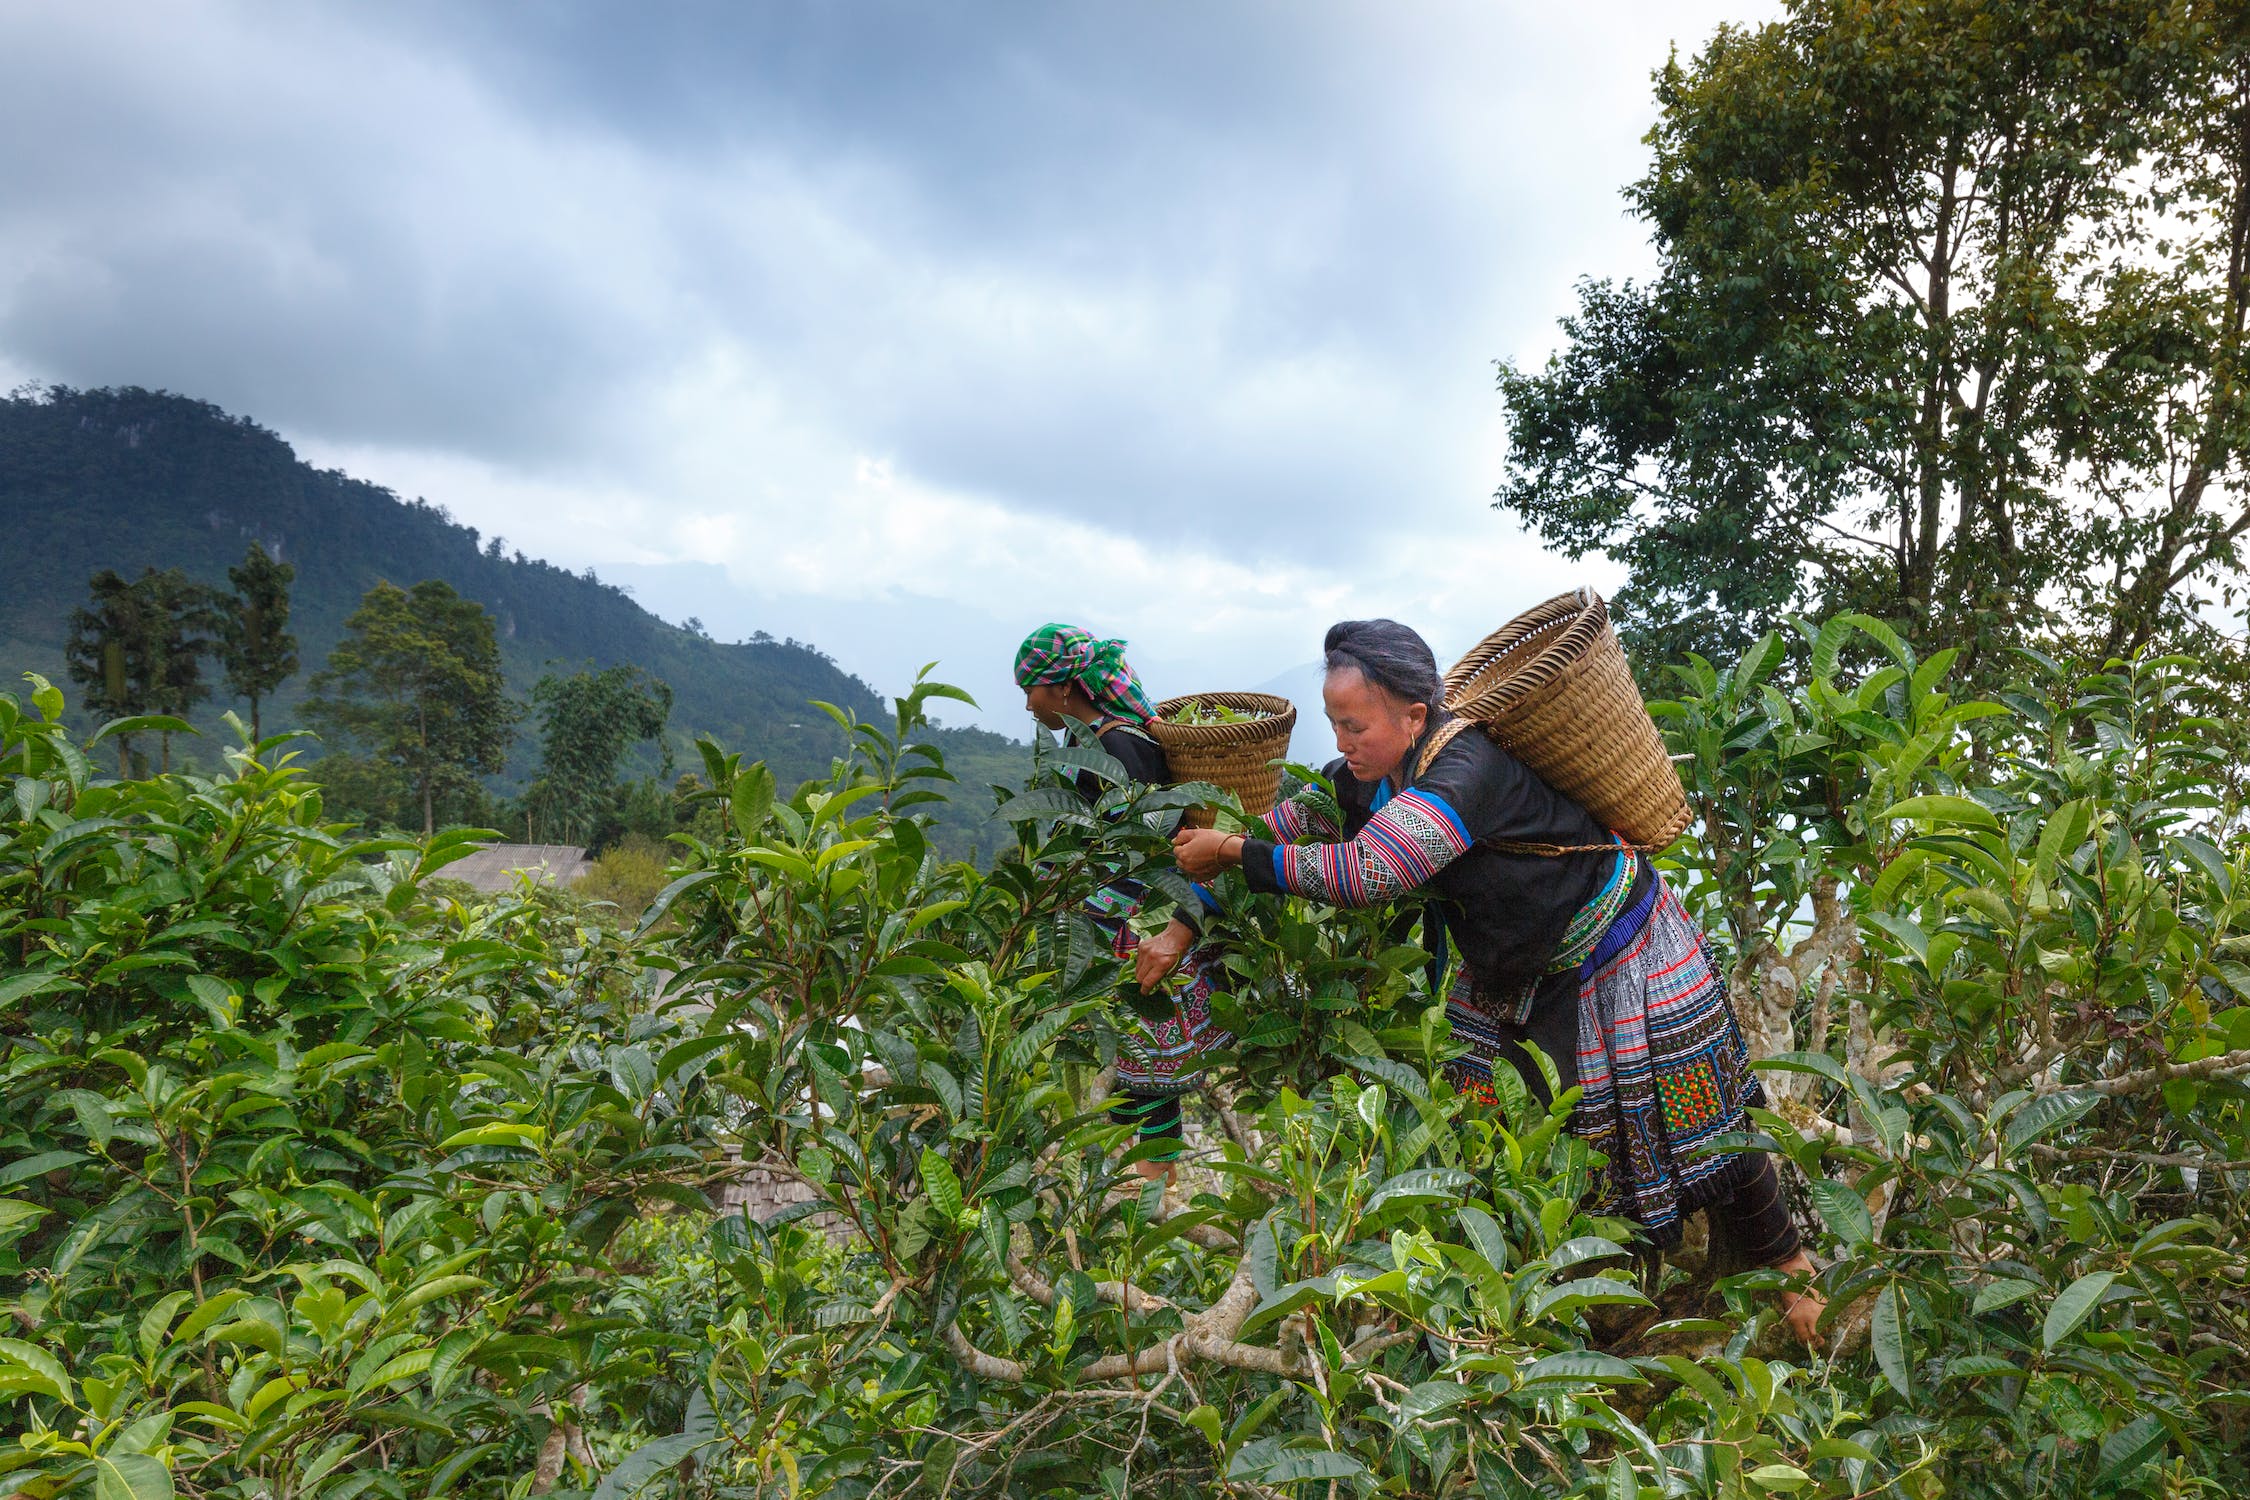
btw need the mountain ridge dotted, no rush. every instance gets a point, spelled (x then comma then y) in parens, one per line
(128, 478)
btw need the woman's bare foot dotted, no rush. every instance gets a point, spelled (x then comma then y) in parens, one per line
(1801, 1310)
(1156, 1169)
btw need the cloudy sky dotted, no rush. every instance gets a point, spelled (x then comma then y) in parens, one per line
(897, 327)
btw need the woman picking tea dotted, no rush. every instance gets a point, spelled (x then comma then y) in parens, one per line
(1568, 939)
(1068, 675)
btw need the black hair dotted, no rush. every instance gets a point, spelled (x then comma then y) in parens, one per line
(1392, 656)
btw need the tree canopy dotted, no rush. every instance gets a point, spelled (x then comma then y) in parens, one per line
(255, 642)
(417, 682)
(109, 654)
(1947, 325)
(586, 722)
(138, 649)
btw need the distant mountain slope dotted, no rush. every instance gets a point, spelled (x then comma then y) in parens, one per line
(129, 478)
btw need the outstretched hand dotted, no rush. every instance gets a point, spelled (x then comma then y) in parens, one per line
(1204, 852)
(1156, 957)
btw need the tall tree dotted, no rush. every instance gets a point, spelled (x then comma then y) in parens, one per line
(1948, 325)
(110, 655)
(185, 620)
(586, 722)
(416, 680)
(254, 639)
(138, 648)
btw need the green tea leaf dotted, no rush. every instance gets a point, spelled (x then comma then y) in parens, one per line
(939, 1181)
(1484, 1235)
(1844, 1211)
(1587, 1292)
(131, 1476)
(1419, 1188)
(2127, 1449)
(29, 1363)
(750, 800)
(2073, 1304)
(2045, 1113)
(2001, 1292)
(1582, 1367)
(1944, 810)
(1888, 1332)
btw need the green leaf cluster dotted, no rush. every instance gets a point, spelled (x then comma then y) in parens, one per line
(314, 1180)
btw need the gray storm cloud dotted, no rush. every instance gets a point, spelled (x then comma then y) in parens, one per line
(1222, 280)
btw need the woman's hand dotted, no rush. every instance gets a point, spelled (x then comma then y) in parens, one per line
(1802, 1310)
(1204, 852)
(1158, 956)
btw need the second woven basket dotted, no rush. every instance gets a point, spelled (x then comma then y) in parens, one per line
(1553, 688)
(1243, 756)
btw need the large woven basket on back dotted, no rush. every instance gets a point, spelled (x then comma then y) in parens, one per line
(1243, 757)
(1553, 688)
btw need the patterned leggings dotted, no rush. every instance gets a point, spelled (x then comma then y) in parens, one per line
(1162, 1059)
(1156, 1118)
(1750, 1226)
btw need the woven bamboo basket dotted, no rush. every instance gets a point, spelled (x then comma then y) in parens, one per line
(1552, 687)
(1245, 758)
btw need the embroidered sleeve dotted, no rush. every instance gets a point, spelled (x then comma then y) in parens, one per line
(1302, 819)
(1414, 835)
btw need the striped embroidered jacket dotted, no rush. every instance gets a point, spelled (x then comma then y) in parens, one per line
(1506, 913)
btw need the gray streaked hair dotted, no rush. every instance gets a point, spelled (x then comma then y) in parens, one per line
(1392, 656)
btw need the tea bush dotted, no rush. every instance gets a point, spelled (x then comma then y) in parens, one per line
(320, 1182)
(627, 875)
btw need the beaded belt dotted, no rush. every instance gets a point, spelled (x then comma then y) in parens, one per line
(1590, 921)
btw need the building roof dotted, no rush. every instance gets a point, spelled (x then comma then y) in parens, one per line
(496, 867)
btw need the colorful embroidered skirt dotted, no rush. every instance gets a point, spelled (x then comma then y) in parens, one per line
(1664, 1068)
(1162, 1057)
(1660, 1059)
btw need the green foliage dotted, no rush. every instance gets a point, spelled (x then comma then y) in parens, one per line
(1948, 326)
(417, 682)
(109, 654)
(325, 1184)
(586, 722)
(2013, 972)
(628, 875)
(254, 638)
(138, 649)
(309, 1177)
(126, 479)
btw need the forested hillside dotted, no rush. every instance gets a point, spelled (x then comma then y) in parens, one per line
(130, 478)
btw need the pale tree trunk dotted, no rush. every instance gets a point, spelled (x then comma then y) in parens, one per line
(1871, 1055)
(1769, 983)
(422, 731)
(1768, 986)
(565, 1440)
(1918, 582)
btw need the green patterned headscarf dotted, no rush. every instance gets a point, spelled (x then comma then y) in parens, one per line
(1064, 653)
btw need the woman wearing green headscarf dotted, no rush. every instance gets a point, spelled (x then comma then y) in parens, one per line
(1070, 676)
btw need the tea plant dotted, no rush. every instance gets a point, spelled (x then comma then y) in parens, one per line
(317, 1181)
